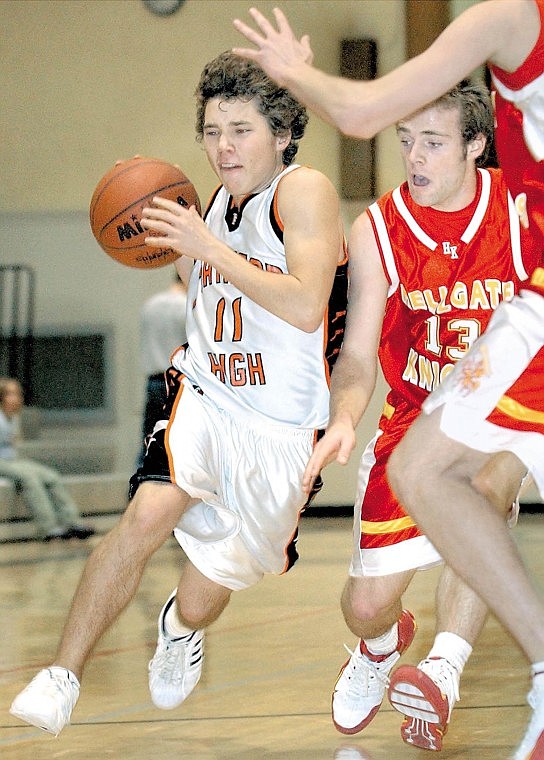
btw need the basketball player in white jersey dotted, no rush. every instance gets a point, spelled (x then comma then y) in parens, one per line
(267, 284)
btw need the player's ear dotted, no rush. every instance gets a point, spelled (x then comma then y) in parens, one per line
(283, 140)
(476, 146)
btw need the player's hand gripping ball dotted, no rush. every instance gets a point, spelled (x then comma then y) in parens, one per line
(117, 203)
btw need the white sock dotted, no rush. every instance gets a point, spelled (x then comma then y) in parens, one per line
(452, 648)
(384, 644)
(173, 625)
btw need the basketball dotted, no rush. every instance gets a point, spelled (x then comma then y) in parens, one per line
(117, 204)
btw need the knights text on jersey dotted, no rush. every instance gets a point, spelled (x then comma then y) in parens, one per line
(442, 289)
(247, 360)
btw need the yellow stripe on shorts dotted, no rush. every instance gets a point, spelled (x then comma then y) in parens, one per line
(387, 526)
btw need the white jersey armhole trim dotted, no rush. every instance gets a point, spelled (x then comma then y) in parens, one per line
(385, 244)
(515, 240)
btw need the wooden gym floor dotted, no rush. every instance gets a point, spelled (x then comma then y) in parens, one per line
(270, 664)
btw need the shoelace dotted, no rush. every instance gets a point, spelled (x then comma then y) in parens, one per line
(168, 660)
(58, 683)
(445, 676)
(370, 670)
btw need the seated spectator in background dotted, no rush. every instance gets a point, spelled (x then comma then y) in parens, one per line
(53, 510)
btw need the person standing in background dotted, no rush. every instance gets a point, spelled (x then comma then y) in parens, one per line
(162, 331)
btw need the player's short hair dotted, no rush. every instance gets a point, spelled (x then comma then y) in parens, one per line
(231, 76)
(475, 112)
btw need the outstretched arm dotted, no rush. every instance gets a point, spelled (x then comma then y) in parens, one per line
(492, 31)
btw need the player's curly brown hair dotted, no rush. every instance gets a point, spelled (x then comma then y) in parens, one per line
(230, 76)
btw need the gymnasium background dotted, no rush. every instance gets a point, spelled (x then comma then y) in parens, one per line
(87, 82)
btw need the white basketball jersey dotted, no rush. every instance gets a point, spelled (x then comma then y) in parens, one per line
(241, 356)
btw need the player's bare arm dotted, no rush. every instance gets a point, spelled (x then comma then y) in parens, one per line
(313, 237)
(288, 60)
(354, 376)
(363, 108)
(184, 266)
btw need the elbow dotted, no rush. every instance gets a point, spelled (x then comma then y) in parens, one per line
(309, 322)
(353, 126)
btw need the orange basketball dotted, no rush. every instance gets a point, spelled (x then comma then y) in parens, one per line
(117, 204)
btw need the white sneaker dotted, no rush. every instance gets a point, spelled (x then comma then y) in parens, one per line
(426, 695)
(176, 666)
(363, 679)
(532, 744)
(48, 700)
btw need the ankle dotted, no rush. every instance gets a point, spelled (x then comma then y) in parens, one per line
(381, 646)
(173, 625)
(451, 647)
(62, 670)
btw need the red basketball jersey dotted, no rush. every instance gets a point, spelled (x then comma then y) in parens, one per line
(445, 279)
(519, 133)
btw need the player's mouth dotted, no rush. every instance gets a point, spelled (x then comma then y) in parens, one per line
(419, 181)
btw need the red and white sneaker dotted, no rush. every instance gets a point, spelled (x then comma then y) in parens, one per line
(363, 679)
(426, 695)
(420, 733)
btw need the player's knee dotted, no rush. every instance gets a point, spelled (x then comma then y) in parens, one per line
(362, 602)
(366, 608)
(499, 481)
(153, 512)
(194, 616)
(482, 482)
(504, 499)
(200, 612)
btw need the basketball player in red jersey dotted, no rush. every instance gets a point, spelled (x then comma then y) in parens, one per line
(430, 261)
(436, 470)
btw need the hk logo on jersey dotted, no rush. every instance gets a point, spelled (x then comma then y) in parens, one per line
(450, 250)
